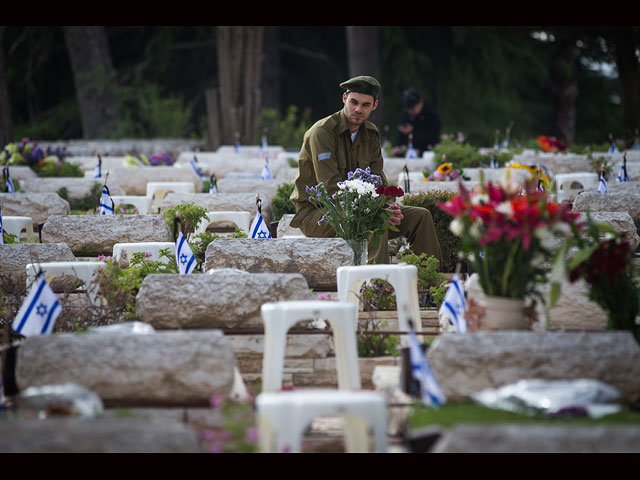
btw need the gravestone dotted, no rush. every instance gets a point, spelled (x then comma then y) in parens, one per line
(614, 201)
(92, 235)
(220, 202)
(134, 180)
(77, 188)
(38, 206)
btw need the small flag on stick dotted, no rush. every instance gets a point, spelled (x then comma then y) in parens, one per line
(8, 181)
(106, 203)
(1, 229)
(266, 171)
(455, 304)
(213, 181)
(602, 186)
(406, 179)
(194, 165)
(430, 390)
(40, 309)
(411, 152)
(98, 173)
(185, 258)
(623, 175)
(258, 227)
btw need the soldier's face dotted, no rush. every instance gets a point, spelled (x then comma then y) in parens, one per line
(358, 107)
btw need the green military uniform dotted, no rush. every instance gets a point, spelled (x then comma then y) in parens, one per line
(327, 155)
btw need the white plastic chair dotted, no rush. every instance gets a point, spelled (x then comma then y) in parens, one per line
(84, 271)
(588, 180)
(241, 219)
(279, 317)
(283, 417)
(127, 250)
(15, 225)
(140, 202)
(402, 277)
(156, 191)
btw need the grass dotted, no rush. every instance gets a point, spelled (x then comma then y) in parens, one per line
(451, 414)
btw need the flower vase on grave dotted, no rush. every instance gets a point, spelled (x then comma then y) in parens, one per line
(360, 247)
(503, 313)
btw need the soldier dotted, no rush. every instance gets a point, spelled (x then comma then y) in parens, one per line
(339, 144)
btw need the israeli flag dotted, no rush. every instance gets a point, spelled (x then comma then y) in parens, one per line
(635, 145)
(98, 173)
(540, 188)
(194, 165)
(430, 390)
(614, 148)
(39, 312)
(263, 147)
(602, 186)
(411, 152)
(505, 143)
(266, 172)
(259, 228)
(10, 187)
(106, 204)
(185, 258)
(455, 304)
(238, 146)
(494, 162)
(212, 188)
(623, 175)
(1, 230)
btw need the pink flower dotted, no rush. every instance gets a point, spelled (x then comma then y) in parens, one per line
(252, 435)
(216, 400)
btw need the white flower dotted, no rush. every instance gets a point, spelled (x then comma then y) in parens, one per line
(538, 260)
(480, 198)
(476, 229)
(546, 237)
(505, 208)
(456, 227)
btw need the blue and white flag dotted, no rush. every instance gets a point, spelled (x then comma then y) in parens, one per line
(430, 390)
(263, 147)
(602, 186)
(266, 171)
(194, 165)
(259, 228)
(238, 146)
(411, 152)
(454, 305)
(1, 229)
(212, 187)
(623, 175)
(635, 145)
(98, 172)
(39, 312)
(540, 188)
(106, 203)
(614, 148)
(10, 187)
(185, 258)
(505, 143)
(494, 162)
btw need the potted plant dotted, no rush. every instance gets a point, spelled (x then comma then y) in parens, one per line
(510, 234)
(358, 210)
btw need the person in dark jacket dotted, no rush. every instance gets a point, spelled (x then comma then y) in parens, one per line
(420, 121)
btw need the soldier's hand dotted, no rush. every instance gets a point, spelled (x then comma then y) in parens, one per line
(397, 214)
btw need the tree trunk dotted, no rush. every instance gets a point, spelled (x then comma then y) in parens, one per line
(629, 80)
(95, 80)
(565, 89)
(239, 59)
(364, 58)
(271, 69)
(6, 127)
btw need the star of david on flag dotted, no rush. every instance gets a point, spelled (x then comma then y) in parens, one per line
(266, 172)
(602, 186)
(185, 258)
(106, 204)
(411, 152)
(454, 305)
(430, 390)
(39, 311)
(194, 165)
(259, 228)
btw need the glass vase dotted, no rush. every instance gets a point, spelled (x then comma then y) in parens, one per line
(360, 247)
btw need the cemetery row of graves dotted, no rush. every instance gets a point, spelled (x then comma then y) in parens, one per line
(159, 291)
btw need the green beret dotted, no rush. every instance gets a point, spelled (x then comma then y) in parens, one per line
(362, 84)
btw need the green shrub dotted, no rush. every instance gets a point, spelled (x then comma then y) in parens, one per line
(280, 203)
(429, 278)
(85, 204)
(190, 217)
(201, 241)
(449, 243)
(467, 156)
(376, 345)
(60, 169)
(288, 131)
(10, 238)
(3, 186)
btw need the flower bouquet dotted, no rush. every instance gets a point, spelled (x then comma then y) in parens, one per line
(551, 144)
(537, 173)
(31, 154)
(604, 262)
(359, 207)
(510, 235)
(446, 171)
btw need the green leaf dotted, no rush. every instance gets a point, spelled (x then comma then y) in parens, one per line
(555, 293)
(582, 256)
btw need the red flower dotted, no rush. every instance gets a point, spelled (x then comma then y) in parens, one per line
(390, 191)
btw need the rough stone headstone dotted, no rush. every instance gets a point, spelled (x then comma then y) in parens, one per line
(214, 301)
(620, 221)
(285, 228)
(38, 206)
(15, 257)
(614, 201)
(92, 235)
(77, 187)
(539, 439)
(556, 162)
(124, 146)
(266, 188)
(97, 435)
(173, 368)
(315, 258)
(222, 164)
(220, 202)
(134, 180)
(21, 172)
(467, 363)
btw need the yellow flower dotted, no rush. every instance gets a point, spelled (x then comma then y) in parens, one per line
(444, 168)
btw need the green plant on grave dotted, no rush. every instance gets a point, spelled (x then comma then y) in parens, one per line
(286, 131)
(5, 189)
(190, 216)
(119, 285)
(60, 169)
(467, 156)
(237, 432)
(429, 278)
(281, 203)
(87, 203)
(600, 163)
(376, 344)
(449, 243)
(10, 238)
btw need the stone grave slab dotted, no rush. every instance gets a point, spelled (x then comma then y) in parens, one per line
(614, 201)
(15, 257)
(92, 235)
(38, 206)
(222, 164)
(76, 187)
(315, 258)
(134, 180)
(214, 301)
(470, 362)
(219, 202)
(163, 368)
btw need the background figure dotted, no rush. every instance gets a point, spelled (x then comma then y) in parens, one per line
(419, 119)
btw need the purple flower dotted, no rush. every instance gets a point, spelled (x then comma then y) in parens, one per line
(216, 400)
(252, 435)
